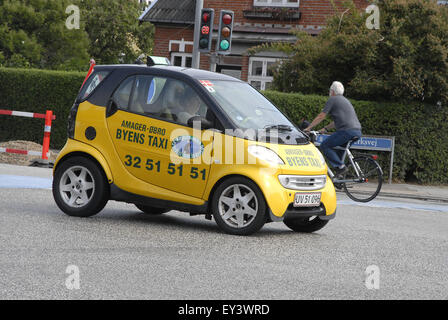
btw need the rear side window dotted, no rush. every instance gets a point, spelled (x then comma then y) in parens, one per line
(123, 93)
(155, 88)
(146, 96)
(94, 80)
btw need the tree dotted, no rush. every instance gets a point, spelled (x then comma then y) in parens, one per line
(406, 59)
(33, 34)
(116, 36)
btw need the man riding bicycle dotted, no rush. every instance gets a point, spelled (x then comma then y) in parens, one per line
(345, 121)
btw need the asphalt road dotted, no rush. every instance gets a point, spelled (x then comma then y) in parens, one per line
(124, 254)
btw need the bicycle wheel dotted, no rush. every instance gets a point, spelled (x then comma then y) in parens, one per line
(369, 186)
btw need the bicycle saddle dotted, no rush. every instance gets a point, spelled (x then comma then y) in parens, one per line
(352, 141)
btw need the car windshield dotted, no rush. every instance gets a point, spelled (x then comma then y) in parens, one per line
(247, 108)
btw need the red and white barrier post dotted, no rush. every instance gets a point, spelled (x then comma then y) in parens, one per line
(47, 133)
(49, 117)
(24, 152)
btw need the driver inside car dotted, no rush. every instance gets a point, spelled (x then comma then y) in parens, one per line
(192, 104)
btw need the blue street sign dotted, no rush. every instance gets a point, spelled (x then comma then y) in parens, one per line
(366, 142)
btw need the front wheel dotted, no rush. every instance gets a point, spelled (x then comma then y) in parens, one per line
(239, 207)
(369, 186)
(80, 187)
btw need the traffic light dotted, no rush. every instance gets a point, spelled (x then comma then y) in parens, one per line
(224, 44)
(206, 30)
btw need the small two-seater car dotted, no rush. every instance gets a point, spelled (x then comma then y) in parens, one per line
(169, 138)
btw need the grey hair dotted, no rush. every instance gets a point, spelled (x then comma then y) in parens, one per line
(338, 88)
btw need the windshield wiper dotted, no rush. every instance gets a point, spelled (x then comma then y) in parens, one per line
(282, 127)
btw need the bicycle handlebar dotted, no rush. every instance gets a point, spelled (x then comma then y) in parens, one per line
(312, 135)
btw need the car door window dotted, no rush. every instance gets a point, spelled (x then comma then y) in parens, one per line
(182, 102)
(166, 98)
(123, 94)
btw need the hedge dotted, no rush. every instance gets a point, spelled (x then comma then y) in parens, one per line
(36, 91)
(421, 153)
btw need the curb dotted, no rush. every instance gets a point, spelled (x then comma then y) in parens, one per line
(408, 196)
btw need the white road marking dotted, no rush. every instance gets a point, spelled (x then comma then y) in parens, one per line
(24, 182)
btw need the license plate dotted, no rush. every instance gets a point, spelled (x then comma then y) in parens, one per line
(307, 199)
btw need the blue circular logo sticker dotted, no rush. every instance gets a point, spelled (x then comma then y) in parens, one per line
(187, 147)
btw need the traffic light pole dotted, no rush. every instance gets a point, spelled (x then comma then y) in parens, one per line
(197, 25)
(213, 61)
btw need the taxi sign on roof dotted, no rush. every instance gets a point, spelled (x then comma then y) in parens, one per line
(157, 61)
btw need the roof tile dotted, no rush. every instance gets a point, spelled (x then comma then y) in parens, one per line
(172, 11)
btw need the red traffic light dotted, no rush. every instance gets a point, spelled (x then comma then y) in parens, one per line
(227, 19)
(205, 30)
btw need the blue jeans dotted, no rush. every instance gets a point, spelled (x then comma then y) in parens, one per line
(338, 138)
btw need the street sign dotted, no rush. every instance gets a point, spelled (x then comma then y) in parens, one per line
(377, 143)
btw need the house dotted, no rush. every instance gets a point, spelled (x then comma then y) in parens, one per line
(256, 22)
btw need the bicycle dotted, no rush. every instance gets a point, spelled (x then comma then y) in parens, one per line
(364, 178)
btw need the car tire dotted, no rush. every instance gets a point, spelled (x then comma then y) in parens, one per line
(307, 225)
(239, 207)
(151, 210)
(80, 187)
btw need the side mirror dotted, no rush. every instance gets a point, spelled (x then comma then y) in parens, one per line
(205, 124)
(305, 124)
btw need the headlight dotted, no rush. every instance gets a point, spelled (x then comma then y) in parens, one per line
(322, 159)
(265, 154)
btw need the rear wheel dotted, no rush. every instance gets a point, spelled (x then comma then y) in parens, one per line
(371, 180)
(308, 225)
(80, 187)
(151, 210)
(239, 207)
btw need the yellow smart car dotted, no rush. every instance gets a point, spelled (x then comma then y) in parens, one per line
(168, 138)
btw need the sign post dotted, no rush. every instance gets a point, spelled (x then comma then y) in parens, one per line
(392, 160)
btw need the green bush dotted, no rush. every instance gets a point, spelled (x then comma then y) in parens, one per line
(421, 151)
(36, 91)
